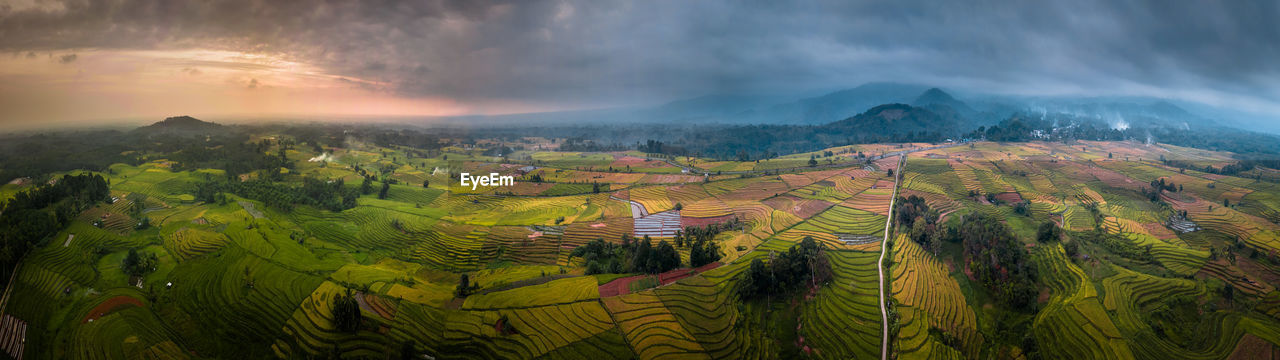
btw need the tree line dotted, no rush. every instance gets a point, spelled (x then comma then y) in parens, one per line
(632, 255)
(804, 264)
(332, 195)
(33, 215)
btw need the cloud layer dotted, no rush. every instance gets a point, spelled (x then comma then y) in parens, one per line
(606, 53)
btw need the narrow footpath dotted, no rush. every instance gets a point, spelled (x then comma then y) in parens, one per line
(884, 248)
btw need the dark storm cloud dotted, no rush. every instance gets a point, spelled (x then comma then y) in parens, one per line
(604, 52)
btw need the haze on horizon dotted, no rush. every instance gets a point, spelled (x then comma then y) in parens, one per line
(88, 61)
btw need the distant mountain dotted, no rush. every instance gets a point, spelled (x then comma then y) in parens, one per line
(181, 125)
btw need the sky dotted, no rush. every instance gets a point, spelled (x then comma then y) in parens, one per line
(87, 61)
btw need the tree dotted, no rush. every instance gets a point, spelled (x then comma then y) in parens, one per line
(143, 224)
(756, 281)
(139, 204)
(1022, 207)
(426, 183)
(131, 261)
(1047, 232)
(813, 161)
(703, 252)
(465, 287)
(799, 266)
(346, 312)
(1071, 248)
(407, 351)
(366, 187)
(667, 258)
(136, 264)
(998, 260)
(382, 194)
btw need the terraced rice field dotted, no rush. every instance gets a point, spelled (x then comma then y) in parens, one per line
(845, 313)
(923, 288)
(650, 327)
(1081, 326)
(188, 243)
(261, 283)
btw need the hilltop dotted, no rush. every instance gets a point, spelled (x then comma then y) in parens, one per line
(181, 125)
(894, 119)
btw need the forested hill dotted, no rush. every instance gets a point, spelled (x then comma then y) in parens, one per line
(181, 126)
(891, 120)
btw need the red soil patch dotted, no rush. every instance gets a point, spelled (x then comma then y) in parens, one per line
(1009, 197)
(780, 202)
(1257, 271)
(623, 286)
(528, 188)
(113, 304)
(1112, 178)
(807, 208)
(887, 163)
(599, 225)
(1252, 347)
(1159, 231)
(636, 162)
(377, 304)
(618, 287)
(707, 267)
(704, 221)
(670, 179)
(673, 276)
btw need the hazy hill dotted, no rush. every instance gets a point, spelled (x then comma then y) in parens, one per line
(935, 96)
(892, 119)
(849, 102)
(181, 125)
